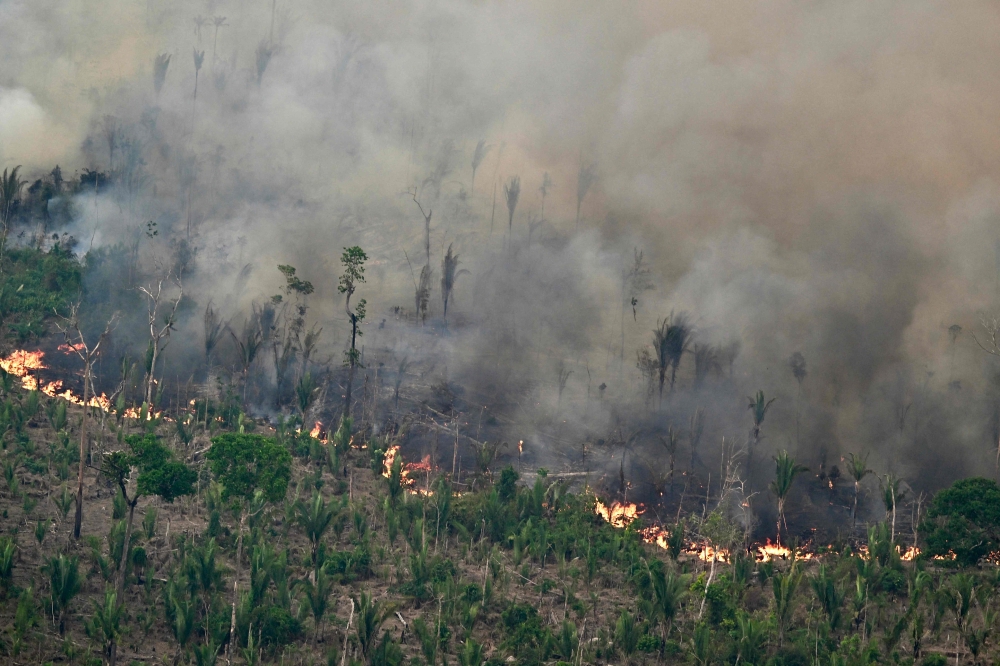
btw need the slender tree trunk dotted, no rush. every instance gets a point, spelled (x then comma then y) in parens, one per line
(78, 520)
(350, 374)
(236, 589)
(781, 514)
(152, 372)
(123, 562)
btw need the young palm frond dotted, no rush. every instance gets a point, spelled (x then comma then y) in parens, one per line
(786, 469)
(830, 596)
(314, 517)
(371, 614)
(669, 590)
(784, 586)
(318, 597)
(105, 624)
(305, 391)
(64, 583)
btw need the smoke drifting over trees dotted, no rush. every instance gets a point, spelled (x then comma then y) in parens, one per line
(800, 180)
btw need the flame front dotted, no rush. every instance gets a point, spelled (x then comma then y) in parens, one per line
(621, 515)
(22, 363)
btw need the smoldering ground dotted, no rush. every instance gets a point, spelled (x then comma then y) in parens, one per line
(812, 178)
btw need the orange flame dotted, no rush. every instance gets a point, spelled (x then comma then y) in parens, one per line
(618, 514)
(406, 480)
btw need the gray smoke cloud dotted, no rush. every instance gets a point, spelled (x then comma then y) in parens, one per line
(817, 178)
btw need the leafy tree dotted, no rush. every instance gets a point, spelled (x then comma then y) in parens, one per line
(785, 471)
(964, 519)
(353, 260)
(249, 467)
(159, 474)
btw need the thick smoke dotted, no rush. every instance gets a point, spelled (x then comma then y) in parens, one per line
(817, 178)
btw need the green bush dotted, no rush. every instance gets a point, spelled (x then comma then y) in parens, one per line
(965, 520)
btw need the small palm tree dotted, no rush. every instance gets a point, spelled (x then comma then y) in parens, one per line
(669, 590)
(64, 585)
(857, 467)
(371, 616)
(471, 654)
(318, 597)
(105, 625)
(758, 407)
(314, 517)
(627, 634)
(784, 586)
(829, 595)
(671, 339)
(305, 391)
(786, 469)
(180, 615)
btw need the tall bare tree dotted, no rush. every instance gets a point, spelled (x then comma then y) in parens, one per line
(75, 339)
(162, 316)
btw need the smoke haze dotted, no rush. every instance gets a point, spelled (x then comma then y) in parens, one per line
(812, 177)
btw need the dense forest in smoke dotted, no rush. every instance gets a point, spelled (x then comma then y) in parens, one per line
(750, 274)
